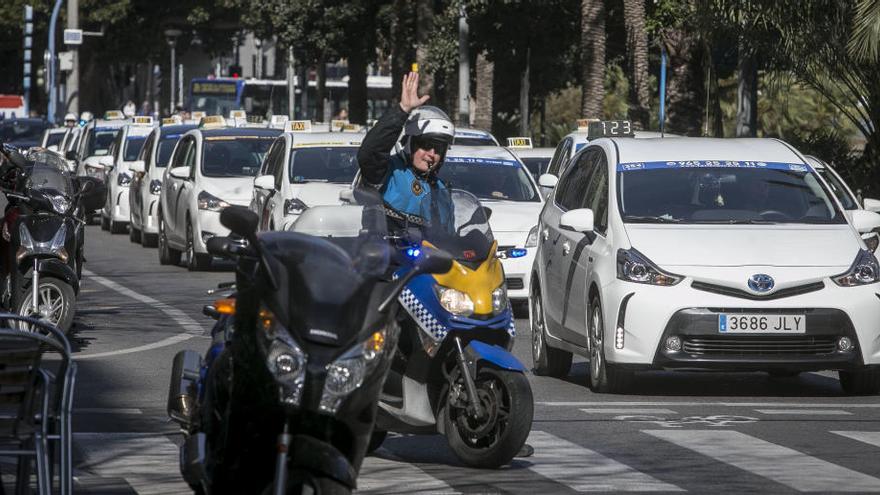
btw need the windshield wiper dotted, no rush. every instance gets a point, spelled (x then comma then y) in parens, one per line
(650, 219)
(738, 222)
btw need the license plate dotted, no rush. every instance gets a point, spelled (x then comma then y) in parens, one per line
(746, 323)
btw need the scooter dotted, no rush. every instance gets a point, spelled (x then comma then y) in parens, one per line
(453, 372)
(288, 401)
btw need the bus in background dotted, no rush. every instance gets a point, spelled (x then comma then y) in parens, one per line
(266, 97)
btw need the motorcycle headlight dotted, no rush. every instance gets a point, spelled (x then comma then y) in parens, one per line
(27, 244)
(633, 266)
(60, 203)
(499, 299)
(455, 301)
(123, 179)
(155, 187)
(864, 270)
(348, 371)
(532, 238)
(285, 360)
(208, 201)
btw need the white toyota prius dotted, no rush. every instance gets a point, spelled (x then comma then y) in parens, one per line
(698, 253)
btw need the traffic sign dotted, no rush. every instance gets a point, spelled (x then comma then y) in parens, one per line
(73, 36)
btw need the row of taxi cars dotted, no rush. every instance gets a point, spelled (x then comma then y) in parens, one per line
(635, 250)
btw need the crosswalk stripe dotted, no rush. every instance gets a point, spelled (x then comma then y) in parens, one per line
(869, 437)
(775, 462)
(585, 470)
(626, 410)
(147, 461)
(382, 475)
(806, 412)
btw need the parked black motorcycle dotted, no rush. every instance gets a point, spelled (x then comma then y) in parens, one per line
(43, 235)
(288, 404)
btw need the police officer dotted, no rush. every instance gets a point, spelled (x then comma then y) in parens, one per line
(70, 120)
(404, 179)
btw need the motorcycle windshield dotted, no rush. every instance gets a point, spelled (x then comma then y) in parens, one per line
(456, 222)
(48, 173)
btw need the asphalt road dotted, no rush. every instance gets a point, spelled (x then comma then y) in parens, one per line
(695, 432)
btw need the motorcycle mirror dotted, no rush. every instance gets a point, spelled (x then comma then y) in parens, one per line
(488, 212)
(70, 155)
(218, 246)
(209, 310)
(93, 193)
(240, 220)
(434, 261)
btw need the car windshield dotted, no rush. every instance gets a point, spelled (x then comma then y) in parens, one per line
(54, 138)
(166, 146)
(489, 178)
(132, 148)
(723, 192)
(234, 156)
(337, 164)
(99, 141)
(536, 165)
(839, 189)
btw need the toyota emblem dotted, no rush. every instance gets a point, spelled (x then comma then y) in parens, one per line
(761, 282)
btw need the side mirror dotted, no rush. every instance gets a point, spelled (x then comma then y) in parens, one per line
(434, 261)
(240, 220)
(179, 172)
(548, 180)
(93, 193)
(872, 204)
(865, 221)
(137, 167)
(53, 147)
(346, 196)
(210, 311)
(70, 155)
(218, 246)
(488, 212)
(106, 161)
(265, 182)
(582, 220)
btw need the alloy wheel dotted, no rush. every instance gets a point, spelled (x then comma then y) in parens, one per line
(596, 354)
(537, 328)
(50, 305)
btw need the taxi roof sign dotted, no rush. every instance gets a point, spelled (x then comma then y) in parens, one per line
(299, 126)
(278, 121)
(609, 128)
(584, 124)
(338, 125)
(212, 122)
(519, 142)
(197, 116)
(237, 114)
(173, 120)
(142, 120)
(113, 115)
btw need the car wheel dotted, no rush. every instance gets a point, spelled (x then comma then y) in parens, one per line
(105, 223)
(195, 261)
(167, 254)
(134, 235)
(149, 240)
(605, 377)
(865, 381)
(548, 361)
(117, 227)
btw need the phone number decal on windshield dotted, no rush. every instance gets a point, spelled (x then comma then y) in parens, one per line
(482, 161)
(634, 166)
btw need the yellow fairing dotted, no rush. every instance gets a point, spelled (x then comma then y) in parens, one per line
(478, 284)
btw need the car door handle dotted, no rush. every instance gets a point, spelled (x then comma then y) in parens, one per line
(566, 248)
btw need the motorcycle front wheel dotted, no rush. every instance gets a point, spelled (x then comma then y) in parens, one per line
(494, 439)
(55, 303)
(301, 483)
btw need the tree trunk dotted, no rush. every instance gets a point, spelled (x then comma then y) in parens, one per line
(685, 89)
(592, 57)
(357, 84)
(524, 97)
(320, 89)
(402, 53)
(485, 74)
(747, 95)
(424, 31)
(637, 61)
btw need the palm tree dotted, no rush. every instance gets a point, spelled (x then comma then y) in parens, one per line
(592, 57)
(637, 58)
(864, 44)
(485, 70)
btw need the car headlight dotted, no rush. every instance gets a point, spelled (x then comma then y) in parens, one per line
(123, 179)
(60, 203)
(294, 206)
(633, 266)
(864, 270)
(285, 360)
(872, 241)
(532, 238)
(499, 299)
(155, 187)
(28, 246)
(455, 301)
(348, 371)
(96, 172)
(208, 201)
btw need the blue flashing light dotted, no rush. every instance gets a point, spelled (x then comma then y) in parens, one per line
(413, 252)
(517, 252)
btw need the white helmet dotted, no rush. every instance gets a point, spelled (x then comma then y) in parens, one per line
(431, 122)
(70, 117)
(86, 116)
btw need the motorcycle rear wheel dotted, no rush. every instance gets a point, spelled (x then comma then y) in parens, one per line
(493, 441)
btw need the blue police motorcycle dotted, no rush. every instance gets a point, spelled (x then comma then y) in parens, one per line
(453, 371)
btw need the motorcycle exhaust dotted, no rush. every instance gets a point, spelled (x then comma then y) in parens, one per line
(192, 459)
(183, 391)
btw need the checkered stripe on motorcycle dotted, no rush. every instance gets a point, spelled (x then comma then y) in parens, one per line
(421, 314)
(511, 329)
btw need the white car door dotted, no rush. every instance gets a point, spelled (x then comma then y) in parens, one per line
(188, 191)
(261, 196)
(172, 186)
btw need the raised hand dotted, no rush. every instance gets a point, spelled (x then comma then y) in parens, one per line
(409, 93)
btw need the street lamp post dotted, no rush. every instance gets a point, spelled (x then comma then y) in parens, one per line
(171, 36)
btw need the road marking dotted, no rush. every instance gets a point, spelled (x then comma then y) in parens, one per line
(869, 437)
(775, 462)
(147, 461)
(585, 470)
(108, 410)
(627, 410)
(806, 412)
(388, 475)
(694, 403)
(192, 327)
(718, 420)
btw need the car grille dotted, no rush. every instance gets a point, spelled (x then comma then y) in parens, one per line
(750, 345)
(730, 291)
(515, 283)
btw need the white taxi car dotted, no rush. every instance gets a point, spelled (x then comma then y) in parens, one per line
(301, 170)
(146, 185)
(117, 173)
(212, 167)
(537, 160)
(466, 136)
(699, 253)
(94, 142)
